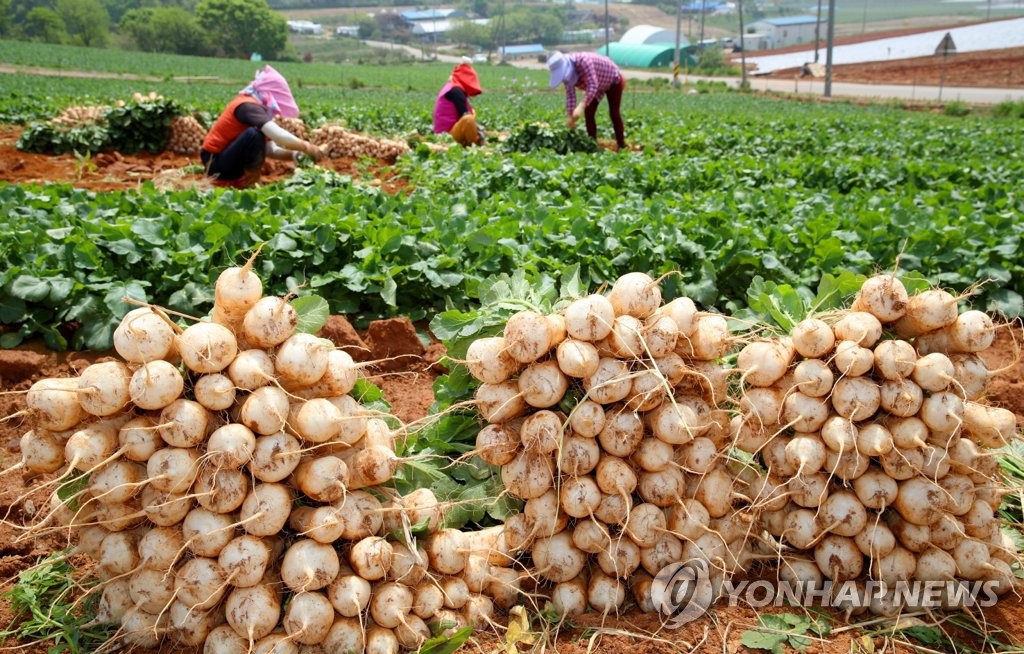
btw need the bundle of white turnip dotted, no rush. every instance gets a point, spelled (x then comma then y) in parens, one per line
(187, 135)
(232, 492)
(337, 141)
(876, 440)
(604, 418)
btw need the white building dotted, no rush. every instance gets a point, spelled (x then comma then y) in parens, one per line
(789, 30)
(305, 27)
(649, 34)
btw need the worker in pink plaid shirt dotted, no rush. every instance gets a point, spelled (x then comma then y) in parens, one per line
(598, 76)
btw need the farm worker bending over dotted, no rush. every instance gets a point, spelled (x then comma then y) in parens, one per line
(245, 133)
(598, 76)
(452, 111)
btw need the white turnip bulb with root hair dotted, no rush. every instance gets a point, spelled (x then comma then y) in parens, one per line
(806, 453)
(308, 618)
(653, 455)
(580, 496)
(839, 558)
(764, 362)
(497, 444)
(54, 403)
(591, 536)
(625, 339)
(251, 369)
(488, 360)
(856, 398)
(381, 641)
(873, 439)
(215, 392)
(679, 420)
(269, 322)
(614, 509)
(589, 318)
(843, 514)
(883, 296)
(635, 294)
(895, 359)
(542, 432)
(253, 612)
(104, 388)
(645, 525)
(972, 559)
(545, 514)
(971, 374)
(543, 384)
(802, 530)
(323, 479)
(808, 490)
(659, 337)
(390, 604)
(448, 551)
(621, 559)
(41, 451)
(184, 423)
(813, 378)
(763, 405)
(804, 413)
(973, 331)
(773, 453)
(200, 584)
(350, 594)
(875, 489)
(339, 378)
(265, 510)
(206, 532)
(847, 466)
(309, 565)
(237, 288)
(577, 358)
(275, 643)
(144, 630)
(605, 594)
(302, 359)
(315, 421)
(372, 466)
(672, 368)
(143, 335)
(528, 336)
(920, 501)
(165, 509)
(265, 411)
(587, 419)
(715, 492)
(116, 482)
(224, 640)
(231, 446)
(813, 338)
(528, 475)
(622, 433)
(455, 592)
(683, 312)
(207, 347)
(322, 523)
(876, 540)
(556, 558)
(611, 383)
(926, 312)
(413, 632)
(569, 598)
(901, 398)
(244, 560)
(118, 554)
(151, 590)
(354, 423)
(647, 391)
(500, 402)
(839, 434)
(115, 602)
(155, 384)
(933, 372)
(274, 457)
(361, 513)
(172, 469)
(989, 426)
(423, 508)
(710, 339)
(942, 411)
(852, 360)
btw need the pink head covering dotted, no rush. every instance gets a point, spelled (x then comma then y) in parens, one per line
(271, 89)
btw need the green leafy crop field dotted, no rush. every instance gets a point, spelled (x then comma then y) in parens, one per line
(723, 189)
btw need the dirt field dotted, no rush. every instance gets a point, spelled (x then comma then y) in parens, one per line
(407, 384)
(1003, 69)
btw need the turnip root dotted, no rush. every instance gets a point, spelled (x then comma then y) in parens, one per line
(576, 358)
(143, 335)
(172, 469)
(350, 594)
(589, 318)
(253, 612)
(489, 361)
(269, 322)
(265, 411)
(206, 533)
(635, 294)
(542, 384)
(579, 456)
(448, 551)
(942, 411)
(199, 584)
(813, 338)
(528, 475)
(764, 362)
(920, 501)
(215, 392)
(813, 378)
(390, 604)
(265, 509)
(381, 641)
(860, 327)
(528, 336)
(709, 340)
(805, 413)
(883, 296)
(556, 559)
(499, 403)
(611, 383)
(207, 347)
(971, 374)
(852, 360)
(251, 369)
(928, 311)
(155, 384)
(104, 388)
(308, 618)
(497, 444)
(856, 398)
(989, 426)
(54, 403)
(875, 541)
(275, 457)
(839, 558)
(244, 560)
(901, 398)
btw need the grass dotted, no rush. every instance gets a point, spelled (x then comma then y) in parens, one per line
(46, 598)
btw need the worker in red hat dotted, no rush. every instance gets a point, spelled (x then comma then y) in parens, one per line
(452, 112)
(597, 76)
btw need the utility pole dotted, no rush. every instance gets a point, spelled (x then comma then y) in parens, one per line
(675, 56)
(743, 48)
(702, 12)
(817, 33)
(864, 20)
(988, 10)
(828, 50)
(607, 39)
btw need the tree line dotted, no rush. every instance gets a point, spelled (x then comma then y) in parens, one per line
(229, 28)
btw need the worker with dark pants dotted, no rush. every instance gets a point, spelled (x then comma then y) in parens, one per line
(598, 76)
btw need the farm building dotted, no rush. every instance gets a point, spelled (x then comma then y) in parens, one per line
(429, 29)
(305, 27)
(649, 34)
(414, 16)
(631, 55)
(782, 32)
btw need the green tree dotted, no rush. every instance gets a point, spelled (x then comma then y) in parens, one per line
(5, 20)
(469, 33)
(240, 27)
(42, 24)
(87, 22)
(164, 29)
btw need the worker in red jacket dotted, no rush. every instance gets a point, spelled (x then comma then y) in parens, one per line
(597, 76)
(452, 111)
(245, 133)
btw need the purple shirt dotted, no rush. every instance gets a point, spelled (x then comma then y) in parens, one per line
(595, 74)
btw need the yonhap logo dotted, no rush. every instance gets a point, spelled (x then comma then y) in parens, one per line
(683, 592)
